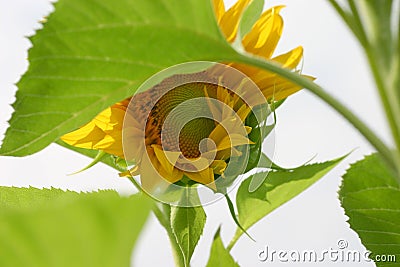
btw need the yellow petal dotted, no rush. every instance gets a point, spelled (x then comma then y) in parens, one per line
(134, 143)
(173, 177)
(85, 137)
(198, 163)
(219, 9)
(243, 112)
(229, 22)
(233, 140)
(104, 132)
(91, 136)
(152, 176)
(291, 59)
(212, 104)
(111, 145)
(229, 125)
(149, 177)
(103, 120)
(218, 133)
(265, 34)
(106, 142)
(218, 166)
(205, 177)
(282, 88)
(228, 153)
(167, 159)
(110, 118)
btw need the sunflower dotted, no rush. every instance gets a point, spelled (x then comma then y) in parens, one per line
(168, 143)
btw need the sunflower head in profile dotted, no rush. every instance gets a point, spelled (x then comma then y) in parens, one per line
(190, 127)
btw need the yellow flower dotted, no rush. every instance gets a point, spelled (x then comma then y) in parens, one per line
(261, 41)
(190, 155)
(201, 149)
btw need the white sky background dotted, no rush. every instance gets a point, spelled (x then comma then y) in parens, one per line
(306, 127)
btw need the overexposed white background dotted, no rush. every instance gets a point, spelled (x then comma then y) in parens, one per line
(306, 127)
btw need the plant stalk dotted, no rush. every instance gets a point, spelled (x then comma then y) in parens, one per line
(384, 66)
(234, 239)
(369, 135)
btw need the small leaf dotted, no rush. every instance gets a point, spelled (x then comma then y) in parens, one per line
(260, 130)
(276, 104)
(234, 216)
(277, 189)
(107, 159)
(370, 196)
(219, 255)
(54, 228)
(255, 121)
(187, 225)
(266, 130)
(98, 158)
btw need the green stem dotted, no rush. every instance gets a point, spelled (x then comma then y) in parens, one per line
(380, 66)
(234, 239)
(351, 22)
(381, 55)
(374, 140)
(164, 221)
(390, 103)
(369, 135)
(362, 35)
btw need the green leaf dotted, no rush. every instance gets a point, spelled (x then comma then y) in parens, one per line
(219, 255)
(370, 196)
(56, 228)
(91, 54)
(278, 188)
(187, 225)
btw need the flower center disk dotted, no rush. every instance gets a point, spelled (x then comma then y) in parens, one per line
(181, 119)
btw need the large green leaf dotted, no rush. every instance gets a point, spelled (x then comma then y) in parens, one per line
(278, 188)
(56, 228)
(93, 53)
(29, 198)
(370, 196)
(219, 255)
(187, 225)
